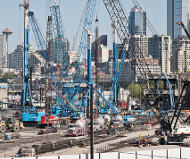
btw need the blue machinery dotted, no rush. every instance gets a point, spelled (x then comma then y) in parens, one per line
(29, 112)
(89, 17)
(170, 90)
(60, 41)
(40, 42)
(116, 13)
(114, 84)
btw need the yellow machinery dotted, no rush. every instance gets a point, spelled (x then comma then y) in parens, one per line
(10, 124)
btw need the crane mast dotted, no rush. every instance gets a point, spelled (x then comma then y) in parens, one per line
(26, 100)
(114, 63)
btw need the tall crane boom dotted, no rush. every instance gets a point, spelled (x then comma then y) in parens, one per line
(89, 17)
(40, 42)
(185, 29)
(116, 13)
(60, 41)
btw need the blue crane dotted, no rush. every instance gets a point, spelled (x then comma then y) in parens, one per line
(89, 15)
(29, 112)
(117, 14)
(170, 89)
(60, 41)
(88, 20)
(40, 42)
(108, 105)
(67, 105)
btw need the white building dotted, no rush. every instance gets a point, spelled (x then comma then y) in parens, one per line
(182, 54)
(160, 47)
(139, 46)
(1, 51)
(35, 59)
(104, 54)
(73, 56)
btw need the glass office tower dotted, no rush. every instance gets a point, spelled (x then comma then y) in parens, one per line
(177, 11)
(137, 21)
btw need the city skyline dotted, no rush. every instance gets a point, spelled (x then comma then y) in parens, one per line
(153, 8)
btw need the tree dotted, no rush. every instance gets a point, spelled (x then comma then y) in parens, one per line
(7, 76)
(135, 90)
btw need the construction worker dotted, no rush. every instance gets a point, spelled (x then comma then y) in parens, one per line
(107, 125)
(165, 139)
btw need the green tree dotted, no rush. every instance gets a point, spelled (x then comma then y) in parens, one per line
(136, 91)
(7, 76)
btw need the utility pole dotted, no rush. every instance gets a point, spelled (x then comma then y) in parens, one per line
(91, 124)
(90, 34)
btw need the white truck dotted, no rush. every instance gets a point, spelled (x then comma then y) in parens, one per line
(98, 123)
(117, 121)
(77, 128)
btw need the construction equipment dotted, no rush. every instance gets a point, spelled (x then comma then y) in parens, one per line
(10, 124)
(184, 28)
(40, 42)
(170, 90)
(169, 127)
(61, 47)
(77, 128)
(117, 14)
(29, 112)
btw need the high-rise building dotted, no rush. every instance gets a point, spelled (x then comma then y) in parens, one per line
(160, 47)
(1, 51)
(181, 54)
(102, 41)
(137, 21)
(177, 11)
(138, 46)
(16, 58)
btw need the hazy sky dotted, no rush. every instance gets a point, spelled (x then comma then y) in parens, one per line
(71, 11)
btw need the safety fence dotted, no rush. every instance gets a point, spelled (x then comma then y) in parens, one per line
(177, 153)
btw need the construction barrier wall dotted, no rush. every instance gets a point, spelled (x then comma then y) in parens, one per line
(177, 153)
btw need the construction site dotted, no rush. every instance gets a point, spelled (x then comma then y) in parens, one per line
(73, 109)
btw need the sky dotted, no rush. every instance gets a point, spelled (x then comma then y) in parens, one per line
(11, 16)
